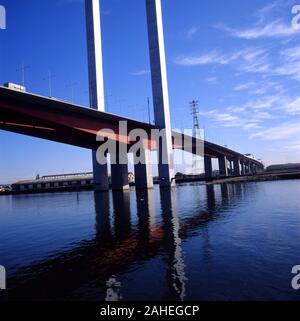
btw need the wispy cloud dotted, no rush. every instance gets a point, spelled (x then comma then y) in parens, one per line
(141, 72)
(230, 119)
(244, 86)
(274, 29)
(267, 25)
(281, 132)
(295, 146)
(106, 12)
(212, 80)
(192, 32)
(293, 107)
(265, 12)
(289, 64)
(265, 102)
(250, 59)
(213, 57)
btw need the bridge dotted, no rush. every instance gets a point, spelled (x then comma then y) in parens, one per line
(71, 124)
(75, 125)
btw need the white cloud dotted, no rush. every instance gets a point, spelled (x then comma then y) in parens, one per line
(295, 146)
(289, 64)
(291, 54)
(293, 107)
(235, 109)
(267, 24)
(274, 29)
(263, 13)
(212, 80)
(229, 119)
(244, 86)
(263, 115)
(141, 72)
(247, 59)
(192, 32)
(264, 102)
(203, 59)
(281, 132)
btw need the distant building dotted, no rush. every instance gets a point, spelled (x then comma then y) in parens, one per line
(284, 168)
(54, 181)
(5, 188)
(76, 180)
(16, 87)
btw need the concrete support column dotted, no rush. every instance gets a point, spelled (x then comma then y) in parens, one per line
(100, 179)
(119, 177)
(243, 168)
(208, 167)
(160, 91)
(247, 168)
(255, 169)
(236, 167)
(143, 170)
(119, 170)
(223, 170)
(96, 82)
(230, 168)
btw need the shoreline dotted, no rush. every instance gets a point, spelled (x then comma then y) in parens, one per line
(232, 179)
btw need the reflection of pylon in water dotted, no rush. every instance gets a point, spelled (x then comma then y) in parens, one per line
(196, 167)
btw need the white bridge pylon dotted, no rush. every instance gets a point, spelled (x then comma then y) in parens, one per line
(159, 90)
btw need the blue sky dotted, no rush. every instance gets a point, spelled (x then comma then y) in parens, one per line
(240, 59)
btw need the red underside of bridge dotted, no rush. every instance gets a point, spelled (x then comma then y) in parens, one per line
(66, 123)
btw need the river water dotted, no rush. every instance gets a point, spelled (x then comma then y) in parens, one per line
(196, 242)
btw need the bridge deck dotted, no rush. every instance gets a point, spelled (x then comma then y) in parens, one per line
(76, 125)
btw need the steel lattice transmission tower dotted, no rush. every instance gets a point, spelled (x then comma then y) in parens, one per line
(194, 106)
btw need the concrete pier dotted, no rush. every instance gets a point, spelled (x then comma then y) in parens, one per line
(247, 168)
(230, 167)
(223, 169)
(119, 177)
(236, 167)
(160, 91)
(119, 169)
(101, 182)
(252, 168)
(208, 167)
(96, 82)
(243, 169)
(143, 170)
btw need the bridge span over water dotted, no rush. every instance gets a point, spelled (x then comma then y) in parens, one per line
(63, 122)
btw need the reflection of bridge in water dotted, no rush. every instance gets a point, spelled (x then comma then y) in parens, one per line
(119, 245)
